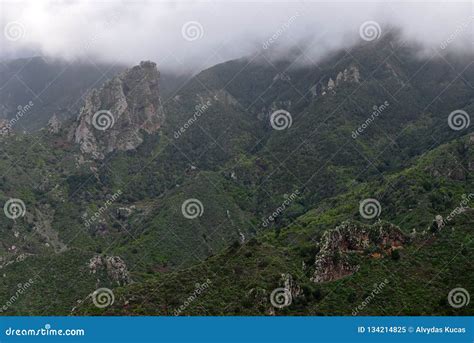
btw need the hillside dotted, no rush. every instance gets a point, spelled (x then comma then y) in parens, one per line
(108, 206)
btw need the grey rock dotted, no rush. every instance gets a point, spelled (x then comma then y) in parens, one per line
(116, 116)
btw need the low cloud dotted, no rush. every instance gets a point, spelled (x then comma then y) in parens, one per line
(190, 35)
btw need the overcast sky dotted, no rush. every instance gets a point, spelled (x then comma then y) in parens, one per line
(190, 34)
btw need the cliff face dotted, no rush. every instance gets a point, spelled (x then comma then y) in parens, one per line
(115, 116)
(332, 261)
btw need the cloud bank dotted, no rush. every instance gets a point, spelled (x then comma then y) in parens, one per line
(191, 35)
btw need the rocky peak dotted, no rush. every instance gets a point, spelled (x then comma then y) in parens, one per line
(116, 116)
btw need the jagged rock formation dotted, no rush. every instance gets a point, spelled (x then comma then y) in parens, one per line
(114, 266)
(54, 125)
(350, 74)
(114, 117)
(332, 261)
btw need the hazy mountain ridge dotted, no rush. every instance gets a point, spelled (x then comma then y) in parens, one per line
(240, 168)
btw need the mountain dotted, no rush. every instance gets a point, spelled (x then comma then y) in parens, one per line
(252, 176)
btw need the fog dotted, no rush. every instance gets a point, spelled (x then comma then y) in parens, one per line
(190, 35)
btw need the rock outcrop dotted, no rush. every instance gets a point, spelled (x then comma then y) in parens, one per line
(54, 124)
(350, 75)
(116, 116)
(114, 266)
(332, 261)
